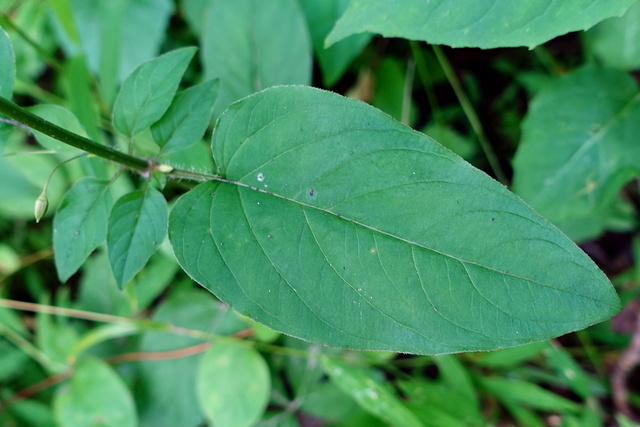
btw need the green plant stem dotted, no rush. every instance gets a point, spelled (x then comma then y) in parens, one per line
(548, 61)
(469, 111)
(408, 90)
(427, 81)
(23, 116)
(31, 350)
(35, 92)
(144, 324)
(592, 353)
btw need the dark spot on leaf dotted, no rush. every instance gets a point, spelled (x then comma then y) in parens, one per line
(311, 191)
(213, 194)
(492, 219)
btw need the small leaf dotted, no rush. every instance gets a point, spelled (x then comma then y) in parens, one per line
(338, 225)
(334, 60)
(187, 118)
(137, 227)
(8, 61)
(369, 394)
(80, 224)
(233, 384)
(616, 41)
(510, 358)
(478, 24)
(62, 117)
(147, 93)
(96, 396)
(254, 44)
(595, 151)
(167, 388)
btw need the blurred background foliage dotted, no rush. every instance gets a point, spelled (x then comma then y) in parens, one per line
(85, 353)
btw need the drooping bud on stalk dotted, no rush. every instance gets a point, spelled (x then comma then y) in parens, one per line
(40, 207)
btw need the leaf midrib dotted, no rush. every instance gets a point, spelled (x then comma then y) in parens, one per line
(393, 236)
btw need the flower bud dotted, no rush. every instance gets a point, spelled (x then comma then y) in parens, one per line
(165, 168)
(40, 207)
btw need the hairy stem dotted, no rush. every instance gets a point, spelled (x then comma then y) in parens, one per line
(23, 116)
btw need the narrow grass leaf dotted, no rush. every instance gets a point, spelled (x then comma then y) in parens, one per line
(523, 393)
(369, 394)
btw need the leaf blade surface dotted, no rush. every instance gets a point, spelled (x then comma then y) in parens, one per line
(341, 226)
(80, 224)
(594, 149)
(251, 45)
(500, 23)
(137, 227)
(147, 92)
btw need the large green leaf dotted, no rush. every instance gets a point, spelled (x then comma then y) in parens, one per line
(96, 396)
(336, 224)
(137, 227)
(572, 160)
(616, 41)
(233, 384)
(499, 23)
(147, 93)
(80, 224)
(254, 44)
